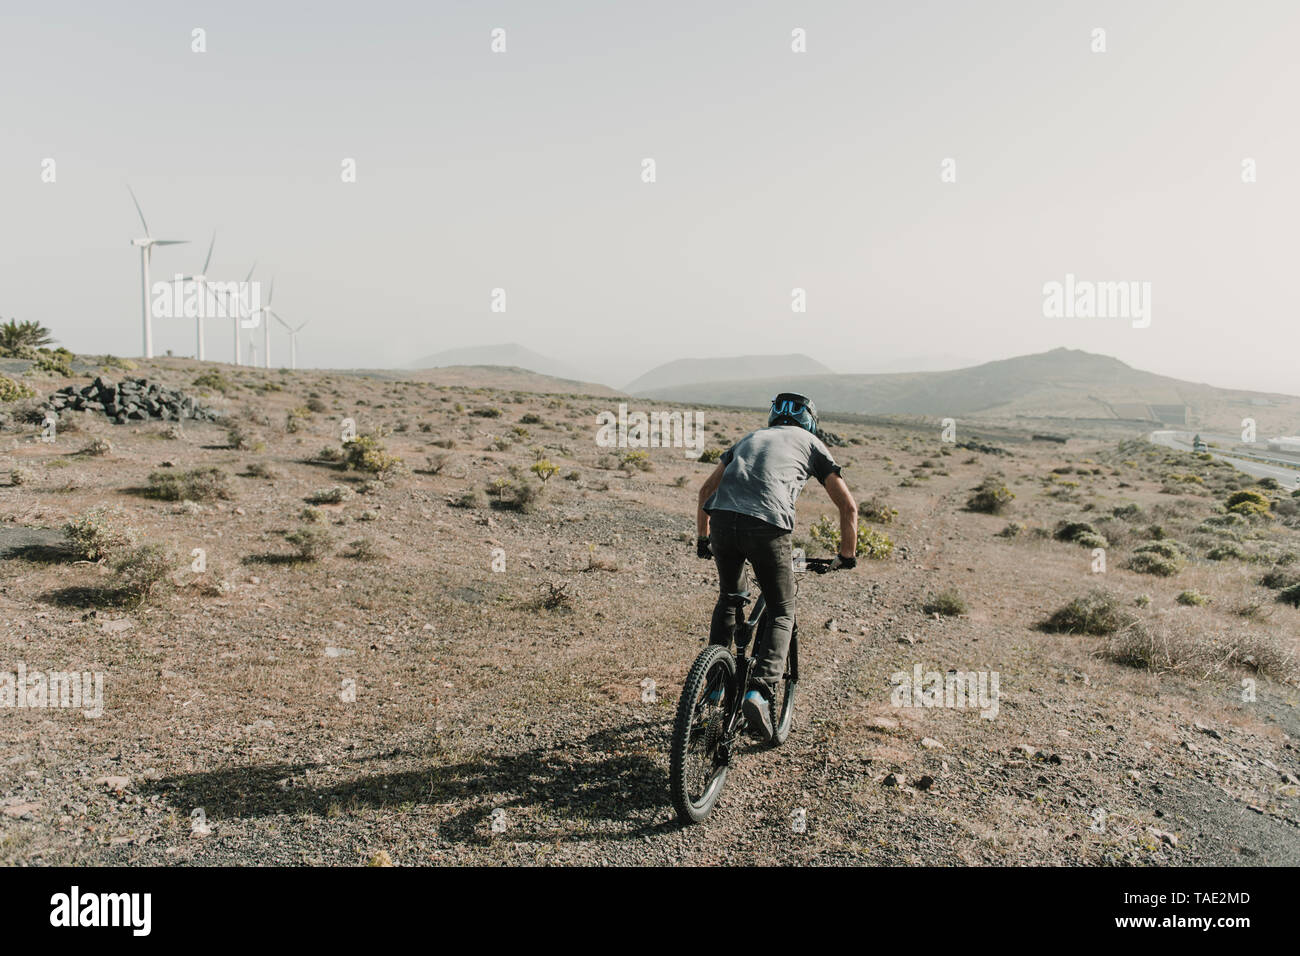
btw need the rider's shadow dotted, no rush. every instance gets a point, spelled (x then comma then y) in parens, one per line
(613, 777)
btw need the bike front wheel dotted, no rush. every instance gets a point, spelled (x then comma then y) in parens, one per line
(696, 772)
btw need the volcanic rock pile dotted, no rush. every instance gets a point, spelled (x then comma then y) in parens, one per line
(130, 400)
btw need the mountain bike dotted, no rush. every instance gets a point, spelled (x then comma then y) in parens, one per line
(710, 723)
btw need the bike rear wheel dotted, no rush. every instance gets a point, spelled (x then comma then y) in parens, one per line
(695, 773)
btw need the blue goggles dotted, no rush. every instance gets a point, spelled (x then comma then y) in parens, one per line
(792, 408)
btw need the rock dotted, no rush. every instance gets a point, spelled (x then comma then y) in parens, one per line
(130, 400)
(893, 780)
(830, 625)
(22, 811)
(113, 783)
(1208, 731)
(929, 743)
(1164, 836)
(117, 626)
(883, 723)
(925, 782)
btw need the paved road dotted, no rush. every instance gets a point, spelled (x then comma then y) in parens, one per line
(1288, 477)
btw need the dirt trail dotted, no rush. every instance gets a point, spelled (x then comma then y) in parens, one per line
(229, 736)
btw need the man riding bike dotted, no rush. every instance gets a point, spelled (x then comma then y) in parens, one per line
(746, 512)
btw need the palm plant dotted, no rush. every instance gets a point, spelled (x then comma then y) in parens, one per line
(15, 335)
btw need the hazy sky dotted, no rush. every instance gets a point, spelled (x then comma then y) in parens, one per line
(775, 170)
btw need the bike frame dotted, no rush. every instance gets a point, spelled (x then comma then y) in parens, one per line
(745, 663)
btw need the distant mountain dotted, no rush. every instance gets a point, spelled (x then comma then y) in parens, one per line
(498, 376)
(1064, 383)
(510, 355)
(712, 370)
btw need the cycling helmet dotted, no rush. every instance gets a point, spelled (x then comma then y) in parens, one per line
(791, 408)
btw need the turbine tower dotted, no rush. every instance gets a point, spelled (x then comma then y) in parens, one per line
(201, 287)
(235, 316)
(266, 325)
(293, 339)
(146, 245)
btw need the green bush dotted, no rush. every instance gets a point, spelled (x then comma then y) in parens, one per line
(1278, 579)
(1247, 503)
(711, 456)
(1192, 599)
(333, 495)
(1097, 613)
(876, 510)
(143, 568)
(214, 381)
(312, 543)
(871, 543)
(1069, 530)
(990, 497)
(99, 533)
(947, 603)
(543, 469)
(55, 364)
(11, 390)
(1227, 551)
(1165, 549)
(198, 484)
(367, 453)
(1148, 562)
(636, 459)
(1290, 595)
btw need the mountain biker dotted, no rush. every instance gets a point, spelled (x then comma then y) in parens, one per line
(746, 511)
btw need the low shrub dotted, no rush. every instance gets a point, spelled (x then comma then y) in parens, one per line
(1247, 503)
(99, 533)
(948, 603)
(312, 543)
(990, 497)
(367, 453)
(141, 569)
(197, 484)
(1097, 613)
(12, 390)
(333, 495)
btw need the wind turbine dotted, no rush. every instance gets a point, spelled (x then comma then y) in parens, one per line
(266, 325)
(235, 316)
(200, 286)
(146, 245)
(293, 339)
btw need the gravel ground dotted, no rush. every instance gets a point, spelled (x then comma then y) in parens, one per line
(338, 711)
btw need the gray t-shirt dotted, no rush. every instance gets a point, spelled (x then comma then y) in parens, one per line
(767, 469)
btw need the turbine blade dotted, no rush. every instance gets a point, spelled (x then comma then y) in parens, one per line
(138, 210)
(270, 293)
(170, 242)
(208, 260)
(301, 327)
(250, 272)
